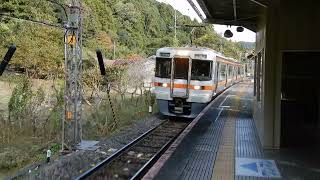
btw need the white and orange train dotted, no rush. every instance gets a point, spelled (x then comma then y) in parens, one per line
(186, 79)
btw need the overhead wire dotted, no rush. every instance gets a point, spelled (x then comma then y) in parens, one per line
(38, 21)
(32, 21)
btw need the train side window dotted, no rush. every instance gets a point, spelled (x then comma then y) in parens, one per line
(223, 69)
(163, 68)
(230, 69)
(201, 70)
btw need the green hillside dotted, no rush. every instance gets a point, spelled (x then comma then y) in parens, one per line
(138, 27)
(247, 45)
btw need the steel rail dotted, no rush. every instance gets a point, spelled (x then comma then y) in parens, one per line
(147, 165)
(144, 169)
(117, 153)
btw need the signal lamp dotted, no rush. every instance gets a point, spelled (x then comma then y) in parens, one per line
(240, 29)
(228, 34)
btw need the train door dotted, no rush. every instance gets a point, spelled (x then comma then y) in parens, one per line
(227, 74)
(216, 76)
(236, 72)
(180, 77)
(180, 82)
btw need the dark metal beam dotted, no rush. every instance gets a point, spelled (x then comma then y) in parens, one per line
(233, 12)
(205, 8)
(196, 9)
(259, 3)
(249, 24)
(235, 9)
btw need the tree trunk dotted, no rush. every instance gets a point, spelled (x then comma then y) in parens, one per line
(141, 92)
(122, 97)
(34, 127)
(134, 92)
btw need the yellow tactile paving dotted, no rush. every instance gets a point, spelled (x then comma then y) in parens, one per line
(224, 163)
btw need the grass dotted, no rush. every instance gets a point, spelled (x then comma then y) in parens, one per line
(5, 94)
(127, 112)
(23, 151)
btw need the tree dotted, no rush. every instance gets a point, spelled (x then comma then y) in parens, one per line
(137, 26)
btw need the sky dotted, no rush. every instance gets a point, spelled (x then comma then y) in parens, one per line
(184, 7)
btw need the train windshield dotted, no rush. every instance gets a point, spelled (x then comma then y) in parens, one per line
(163, 68)
(201, 70)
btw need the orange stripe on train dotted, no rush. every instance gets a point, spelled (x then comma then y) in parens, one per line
(184, 86)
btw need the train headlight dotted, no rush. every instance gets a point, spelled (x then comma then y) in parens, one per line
(197, 87)
(164, 85)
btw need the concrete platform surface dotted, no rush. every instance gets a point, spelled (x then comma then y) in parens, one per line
(223, 144)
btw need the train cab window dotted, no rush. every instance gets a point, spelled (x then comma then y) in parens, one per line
(223, 72)
(163, 68)
(201, 70)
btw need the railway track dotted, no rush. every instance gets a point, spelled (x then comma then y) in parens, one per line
(136, 158)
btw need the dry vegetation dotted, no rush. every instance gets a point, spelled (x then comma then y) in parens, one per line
(31, 111)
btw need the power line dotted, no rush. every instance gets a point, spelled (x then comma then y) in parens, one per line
(38, 21)
(32, 21)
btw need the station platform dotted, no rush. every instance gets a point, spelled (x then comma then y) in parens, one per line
(223, 144)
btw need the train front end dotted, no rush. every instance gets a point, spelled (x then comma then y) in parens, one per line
(183, 81)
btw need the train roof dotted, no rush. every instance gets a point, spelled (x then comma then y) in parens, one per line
(194, 50)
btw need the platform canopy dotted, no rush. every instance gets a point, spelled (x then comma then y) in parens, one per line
(234, 12)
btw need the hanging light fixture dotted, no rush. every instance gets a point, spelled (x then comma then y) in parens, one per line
(240, 29)
(228, 33)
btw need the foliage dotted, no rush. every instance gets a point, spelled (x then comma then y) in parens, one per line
(150, 98)
(247, 45)
(101, 121)
(39, 47)
(206, 37)
(34, 109)
(118, 78)
(128, 26)
(55, 115)
(18, 104)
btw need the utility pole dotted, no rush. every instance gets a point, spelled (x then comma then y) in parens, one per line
(71, 121)
(71, 126)
(191, 38)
